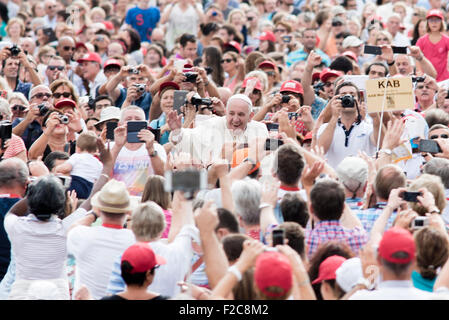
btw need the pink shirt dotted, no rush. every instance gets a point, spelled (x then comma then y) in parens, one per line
(167, 214)
(436, 53)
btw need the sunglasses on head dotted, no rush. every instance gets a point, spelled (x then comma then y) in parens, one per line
(41, 95)
(226, 60)
(68, 48)
(435, 136)
(52, 68)
(58, 95)
(18, 107)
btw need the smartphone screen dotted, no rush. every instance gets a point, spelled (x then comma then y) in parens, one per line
(133, 128)
(179, 99)
(430, 146)
(372, 50)
(273, 144)
(272, 126)
(110, 127)
(292, 115)
(399, 50)
(278, 237)
(411, 196)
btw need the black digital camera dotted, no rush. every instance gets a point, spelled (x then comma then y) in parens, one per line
(43, 109)
(347, 101)
(418, 79)
(200, 101)
(285, 98)
(190, 76)
(15, 50)
(317, 87)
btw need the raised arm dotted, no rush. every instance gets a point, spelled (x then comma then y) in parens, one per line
(313, 60)
(426, 66)
(325, 139)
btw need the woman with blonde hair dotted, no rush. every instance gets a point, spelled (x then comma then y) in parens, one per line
(97, 14)
(154, 191)
(428, 183)
(63, 89)
(15, 30)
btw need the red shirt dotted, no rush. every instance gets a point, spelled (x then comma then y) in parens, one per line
(436, 53)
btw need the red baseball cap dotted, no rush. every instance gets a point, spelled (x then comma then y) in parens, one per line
(328, 268)
(394, 240)
(315, 76)
(292, 86)
(258, 85)
(351, 55)
(112, 62)
(434, 13)
(273, 269)
(90, 56)
(168, 84)
(267, 63)
(65, 102)
(267, 35)
(326, 73)
(235, 45)
(141, 258)
(308, 136)
(108, 25)
(80, 44)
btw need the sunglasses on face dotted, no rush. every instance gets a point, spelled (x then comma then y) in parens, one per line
(52, 68)
(68, 48)
(41, 95)
(422, 87)
(279, 30)
(435, 136)
(226, 60)
(58, 95)
(382, 39)
(18, 107)
(270, 73)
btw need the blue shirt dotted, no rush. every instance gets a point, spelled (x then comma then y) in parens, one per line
(301, 55)
(143, 20)
(5, 246)
(144, 101)
(23, 87)
(368, 216)
(157, 124)
(317, 106)
(31, 133)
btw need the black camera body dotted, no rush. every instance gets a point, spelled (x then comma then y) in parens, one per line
(285, 98)
(418, 79)
(140, 87)
(15, 50)
(133, 71)
(5, 130)
(319, 86)
(347, 101)
(43, 109)
(190, 76)
(200, 101)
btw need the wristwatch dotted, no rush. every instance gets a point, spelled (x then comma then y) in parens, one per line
(153, 154)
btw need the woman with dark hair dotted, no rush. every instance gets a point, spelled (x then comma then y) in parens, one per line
(419, 30)
(212, 59)
(234, 67)
(4, 19)
(207, 31)
(153, 59)
(38, 240)
(132, 40)
(326, 250)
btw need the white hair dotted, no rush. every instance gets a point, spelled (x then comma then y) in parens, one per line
(132, 107)
(246, 194)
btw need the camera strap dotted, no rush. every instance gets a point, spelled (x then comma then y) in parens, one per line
(347, 132)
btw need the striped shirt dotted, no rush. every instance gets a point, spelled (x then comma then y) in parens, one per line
(332, 230)
(39, 247)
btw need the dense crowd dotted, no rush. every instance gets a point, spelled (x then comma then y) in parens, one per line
(224, 149)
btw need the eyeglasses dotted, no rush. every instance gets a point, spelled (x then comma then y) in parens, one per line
(382, 39)
(270, 73)
(18, 107)
(421, 86)
(41, 95)
(52, 68)
(68, 48)
(58, 95)
(279, 30)
(51, 6)
(99, 38)
(227, 60)
(443, 136)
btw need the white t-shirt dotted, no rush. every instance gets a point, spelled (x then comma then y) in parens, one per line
(86, 166)
(95, 250)
(134, 167)
(359, 140)
(393, 290)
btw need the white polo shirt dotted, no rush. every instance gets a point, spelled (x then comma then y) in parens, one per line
(359, 139)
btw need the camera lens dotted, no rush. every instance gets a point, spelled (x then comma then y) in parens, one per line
(43, 109)
(347, 101)
(285, 99)
(64, 119)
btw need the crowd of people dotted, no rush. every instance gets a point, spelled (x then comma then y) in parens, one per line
(223, 150)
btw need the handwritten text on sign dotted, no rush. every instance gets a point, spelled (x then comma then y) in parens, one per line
(399, 94)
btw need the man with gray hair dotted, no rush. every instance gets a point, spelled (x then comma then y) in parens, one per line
(352, 172)
(440, 167)
(205, 142)
(13, 185)
(246, 195)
